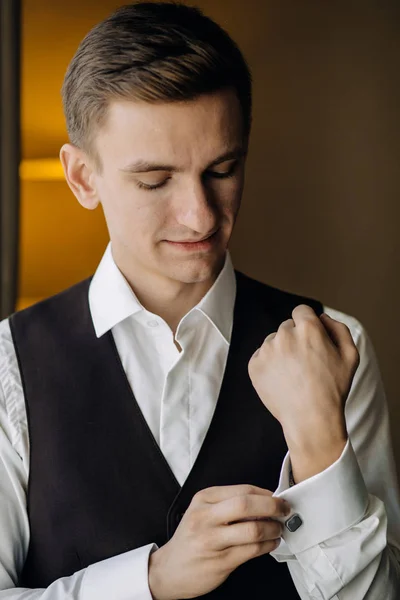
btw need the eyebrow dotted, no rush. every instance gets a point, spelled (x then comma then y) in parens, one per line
(142, 166)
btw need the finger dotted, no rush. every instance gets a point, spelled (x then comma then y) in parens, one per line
(302, 312)
(340, 335)
(288, 324)
(247, 507)
(219, 493)
(251, 532)
(309, 323)
(270, 337)
(329, 325)
(241, 554)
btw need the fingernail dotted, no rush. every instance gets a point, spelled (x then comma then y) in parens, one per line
(286, 508)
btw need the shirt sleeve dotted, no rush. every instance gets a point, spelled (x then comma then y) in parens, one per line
(348, 544)
(122, 577)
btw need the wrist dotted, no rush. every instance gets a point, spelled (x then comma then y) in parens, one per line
(314, 451)
(315, 434)
(305, 465)
(156, 582)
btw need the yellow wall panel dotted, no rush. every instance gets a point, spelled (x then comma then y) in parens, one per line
(51, 32)
(61, 242)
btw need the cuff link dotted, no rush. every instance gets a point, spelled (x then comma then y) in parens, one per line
(294, 523)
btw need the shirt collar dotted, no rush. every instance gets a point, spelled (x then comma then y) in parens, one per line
(111, 299)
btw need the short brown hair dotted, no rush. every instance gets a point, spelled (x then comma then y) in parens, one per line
(154, 52)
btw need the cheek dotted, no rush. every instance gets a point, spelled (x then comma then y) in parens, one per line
(128, 209)
(234, 189)
(230, 201)
(142, 220)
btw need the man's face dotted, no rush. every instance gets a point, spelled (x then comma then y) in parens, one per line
(172, 172)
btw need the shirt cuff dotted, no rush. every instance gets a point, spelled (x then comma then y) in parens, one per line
(327, 503)
(122, 577)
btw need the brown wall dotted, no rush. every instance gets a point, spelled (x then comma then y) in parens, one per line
(320, 210)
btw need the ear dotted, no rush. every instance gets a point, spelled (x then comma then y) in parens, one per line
(79, 173)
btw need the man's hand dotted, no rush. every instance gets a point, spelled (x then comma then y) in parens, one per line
(303, 374)
(222, 528)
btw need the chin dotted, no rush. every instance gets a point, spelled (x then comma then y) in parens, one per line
(197, 270)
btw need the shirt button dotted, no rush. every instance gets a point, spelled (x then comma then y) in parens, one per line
(152, 323)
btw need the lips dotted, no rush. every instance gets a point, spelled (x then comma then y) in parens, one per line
(194, 241)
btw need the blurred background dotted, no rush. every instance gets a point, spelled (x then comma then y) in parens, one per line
(320, 213)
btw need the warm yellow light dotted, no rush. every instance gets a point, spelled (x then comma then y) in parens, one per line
(43, 169)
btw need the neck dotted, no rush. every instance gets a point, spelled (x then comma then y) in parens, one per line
(170, 306)
(173, 300)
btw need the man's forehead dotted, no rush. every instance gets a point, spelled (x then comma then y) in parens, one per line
(141, 134)
(221, 109)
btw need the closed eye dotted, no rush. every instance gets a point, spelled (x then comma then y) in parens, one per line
(213, 174)
(147, 186)
(222, 174)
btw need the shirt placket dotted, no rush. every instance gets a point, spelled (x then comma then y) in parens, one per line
(175, 418)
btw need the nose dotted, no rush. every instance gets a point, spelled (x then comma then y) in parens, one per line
(197, 210)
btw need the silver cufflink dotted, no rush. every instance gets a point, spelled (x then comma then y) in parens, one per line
(294, 523)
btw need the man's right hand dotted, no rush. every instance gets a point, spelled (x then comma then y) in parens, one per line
(223, 527)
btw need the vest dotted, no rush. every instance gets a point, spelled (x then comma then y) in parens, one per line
(99, 484)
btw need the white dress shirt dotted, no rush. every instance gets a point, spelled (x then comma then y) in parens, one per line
(348, 547)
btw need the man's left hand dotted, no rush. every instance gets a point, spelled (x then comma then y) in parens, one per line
(303, 374)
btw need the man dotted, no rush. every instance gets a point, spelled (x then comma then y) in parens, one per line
(186, 430)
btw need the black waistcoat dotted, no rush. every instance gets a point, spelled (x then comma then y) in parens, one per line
(99, 484)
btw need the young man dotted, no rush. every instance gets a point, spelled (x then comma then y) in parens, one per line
(186, 431)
